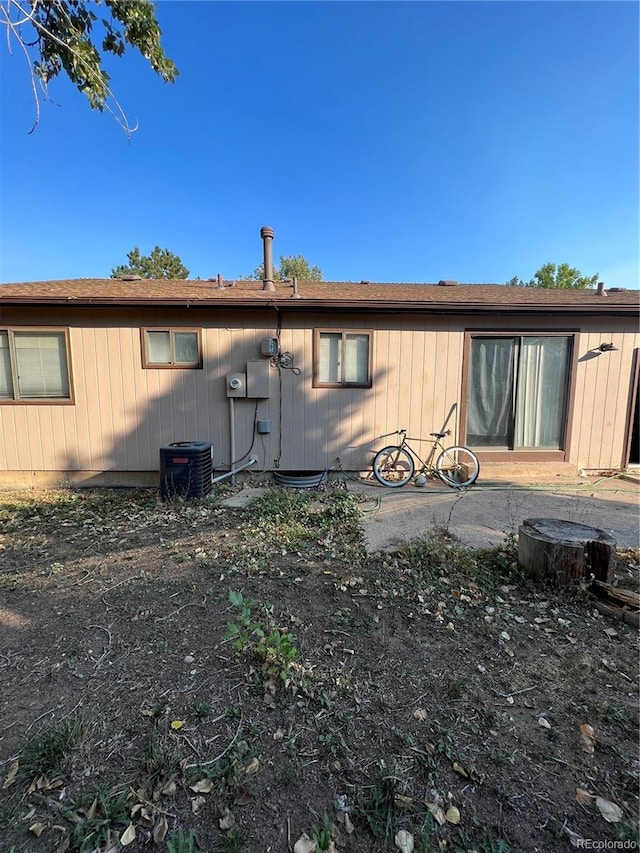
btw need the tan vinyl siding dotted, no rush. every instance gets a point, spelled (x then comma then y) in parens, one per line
(122, 414)
(602, 398)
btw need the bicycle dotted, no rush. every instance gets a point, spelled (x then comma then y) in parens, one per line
(394, 465)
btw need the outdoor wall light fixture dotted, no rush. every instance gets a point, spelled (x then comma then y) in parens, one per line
(607, 348)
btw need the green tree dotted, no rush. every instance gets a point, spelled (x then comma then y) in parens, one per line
(59, 36)
(561, 276)
(161, 263)
(516, 282)
(290, 266)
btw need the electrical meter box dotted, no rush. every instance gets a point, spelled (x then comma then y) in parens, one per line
(258, 379)
(269, 347)
(236, 385)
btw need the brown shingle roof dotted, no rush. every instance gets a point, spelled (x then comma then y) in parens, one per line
(365, 295)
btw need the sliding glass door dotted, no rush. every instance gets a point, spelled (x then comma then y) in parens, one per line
(518, 392)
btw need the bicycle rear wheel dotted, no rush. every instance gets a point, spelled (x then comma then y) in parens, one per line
(393, 466)
(458, 467)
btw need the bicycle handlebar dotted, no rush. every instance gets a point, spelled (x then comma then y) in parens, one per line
(403, 431)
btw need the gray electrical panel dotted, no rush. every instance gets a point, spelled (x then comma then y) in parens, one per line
(258, 379)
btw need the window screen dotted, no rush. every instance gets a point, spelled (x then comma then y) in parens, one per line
(41, 365)
(171, 348)
(343, 358)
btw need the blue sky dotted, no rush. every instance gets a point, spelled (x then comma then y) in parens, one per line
(388, 141)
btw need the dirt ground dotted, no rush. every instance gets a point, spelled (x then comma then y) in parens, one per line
(191, 676)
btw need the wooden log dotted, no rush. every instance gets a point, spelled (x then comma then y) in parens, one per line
(563, 552)
(621, 597)
(629, 617)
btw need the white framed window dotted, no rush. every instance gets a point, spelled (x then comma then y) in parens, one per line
(34, 366)
(177, 348)
(342, 359)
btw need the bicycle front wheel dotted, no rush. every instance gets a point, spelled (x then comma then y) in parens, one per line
(393, 466)
(458, 467)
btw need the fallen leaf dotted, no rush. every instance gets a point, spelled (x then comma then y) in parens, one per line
(437, 812)
(278, 734)
(252, 767)
(348, 825)
(542, 721)
(304, 844)
(458, 768)
(404, 841)
(609, 811)
(420, 714)
(587, 738)
(11, 775)
(37, 829)
(128, 835)
(227, 820)
(204, 786)
(611, 632)
(90, 813)
(160, 830)
(169, 789)
(177, 724)
(452, 815)
(64, 845)
(197, 803)
(38, 784)
(403, 802)
(584, 797)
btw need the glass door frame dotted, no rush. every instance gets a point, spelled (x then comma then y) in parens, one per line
(528, 454)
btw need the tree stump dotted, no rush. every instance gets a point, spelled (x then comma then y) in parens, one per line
(563, 552)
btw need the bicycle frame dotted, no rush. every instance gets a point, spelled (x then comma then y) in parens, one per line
(426, 465)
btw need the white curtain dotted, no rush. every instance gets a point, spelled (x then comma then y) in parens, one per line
(541, 392)
(356, 357)
(329, 367)
(158, 348)
(490, 404)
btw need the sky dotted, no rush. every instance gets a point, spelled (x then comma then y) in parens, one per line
(384, 141)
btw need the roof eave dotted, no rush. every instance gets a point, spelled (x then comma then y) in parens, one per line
(370, 305)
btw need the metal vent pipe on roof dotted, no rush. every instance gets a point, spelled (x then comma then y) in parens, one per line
(447, 282)
(600, 291)
(267, 235)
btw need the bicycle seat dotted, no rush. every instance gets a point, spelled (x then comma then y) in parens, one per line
(438, 434)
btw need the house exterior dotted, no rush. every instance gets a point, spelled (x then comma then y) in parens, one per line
(97, 375)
